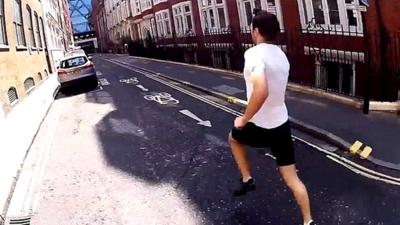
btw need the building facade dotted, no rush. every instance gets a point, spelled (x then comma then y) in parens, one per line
(23, 64)
(54, 31)
(67, 24)
(349, 47)
(118, 26)
(99, 24)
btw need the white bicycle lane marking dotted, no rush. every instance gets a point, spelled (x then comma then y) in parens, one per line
(132, 80)
(104, 82)
(162, 98)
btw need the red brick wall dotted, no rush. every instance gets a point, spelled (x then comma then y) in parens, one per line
(295, 40)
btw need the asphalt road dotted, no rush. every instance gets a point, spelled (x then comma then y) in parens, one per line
(349, 124)
(117, 158)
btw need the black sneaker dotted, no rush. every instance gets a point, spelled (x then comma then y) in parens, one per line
(245, 187)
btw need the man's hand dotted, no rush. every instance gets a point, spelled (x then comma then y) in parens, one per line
(240, 122)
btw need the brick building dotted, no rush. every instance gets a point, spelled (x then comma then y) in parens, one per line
(343, 46)
(23, 63)
(67, 24)
(99, 24)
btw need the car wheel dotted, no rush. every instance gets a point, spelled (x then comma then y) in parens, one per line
(94, 81)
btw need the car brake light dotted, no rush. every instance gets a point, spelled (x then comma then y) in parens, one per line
(62, 73)
(88, 66)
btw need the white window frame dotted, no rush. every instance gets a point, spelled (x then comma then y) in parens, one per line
(19, 24)
(136, 7)
(145, 5)
(163, 23)
(242, 13)
(3, 32)
(181, 18)
(155, 2)
(276, 10)
(308, 22)
(31, 27)
(206, 20)
(38, 34)
(146, 25)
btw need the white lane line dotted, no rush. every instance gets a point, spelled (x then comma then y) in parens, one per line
(376, 175)
(362, 173)
(328, 153)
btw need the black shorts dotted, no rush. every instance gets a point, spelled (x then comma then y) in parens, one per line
(278, 139)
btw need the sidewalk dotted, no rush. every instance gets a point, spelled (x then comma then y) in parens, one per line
(17, 131)
(379, 130)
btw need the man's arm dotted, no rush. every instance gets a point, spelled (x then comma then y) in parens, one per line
(258, 97)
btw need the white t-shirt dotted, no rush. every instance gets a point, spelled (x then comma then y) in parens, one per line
(270, 60)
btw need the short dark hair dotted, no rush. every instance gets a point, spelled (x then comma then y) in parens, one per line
(267, 24)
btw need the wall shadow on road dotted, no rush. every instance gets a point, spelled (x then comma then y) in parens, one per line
(144, 141)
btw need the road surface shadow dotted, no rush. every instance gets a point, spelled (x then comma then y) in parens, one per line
(77, 88)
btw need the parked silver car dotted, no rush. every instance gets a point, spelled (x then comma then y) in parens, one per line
(76, 67)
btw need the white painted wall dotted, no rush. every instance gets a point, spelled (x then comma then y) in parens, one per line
(53, 29)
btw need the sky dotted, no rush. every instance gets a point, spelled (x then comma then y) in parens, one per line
(76, 17)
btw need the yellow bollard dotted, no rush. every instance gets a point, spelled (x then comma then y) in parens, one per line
(360, 149)
(355, 147)
(366, 152)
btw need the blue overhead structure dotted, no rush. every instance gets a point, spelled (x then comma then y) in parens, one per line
(80, 11)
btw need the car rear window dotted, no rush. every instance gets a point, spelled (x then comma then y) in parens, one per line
(73, 62)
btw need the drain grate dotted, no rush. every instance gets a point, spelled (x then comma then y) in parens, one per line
(25, 220)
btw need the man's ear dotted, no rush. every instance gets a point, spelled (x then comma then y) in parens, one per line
(256, 31)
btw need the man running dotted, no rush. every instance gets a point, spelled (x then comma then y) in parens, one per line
(265, 122)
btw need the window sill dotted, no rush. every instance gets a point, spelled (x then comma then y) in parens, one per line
(4, 47)
(12, 104)
(21, 48)
(145, 9)
(29, 90)
(326, 29)
(339, 33)
(159, 3)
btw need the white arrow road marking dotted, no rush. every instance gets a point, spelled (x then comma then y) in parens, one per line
(142, 88)
(99, 73)
(200, 121)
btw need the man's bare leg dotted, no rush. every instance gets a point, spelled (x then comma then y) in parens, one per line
(240, 156)
(289, 175)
